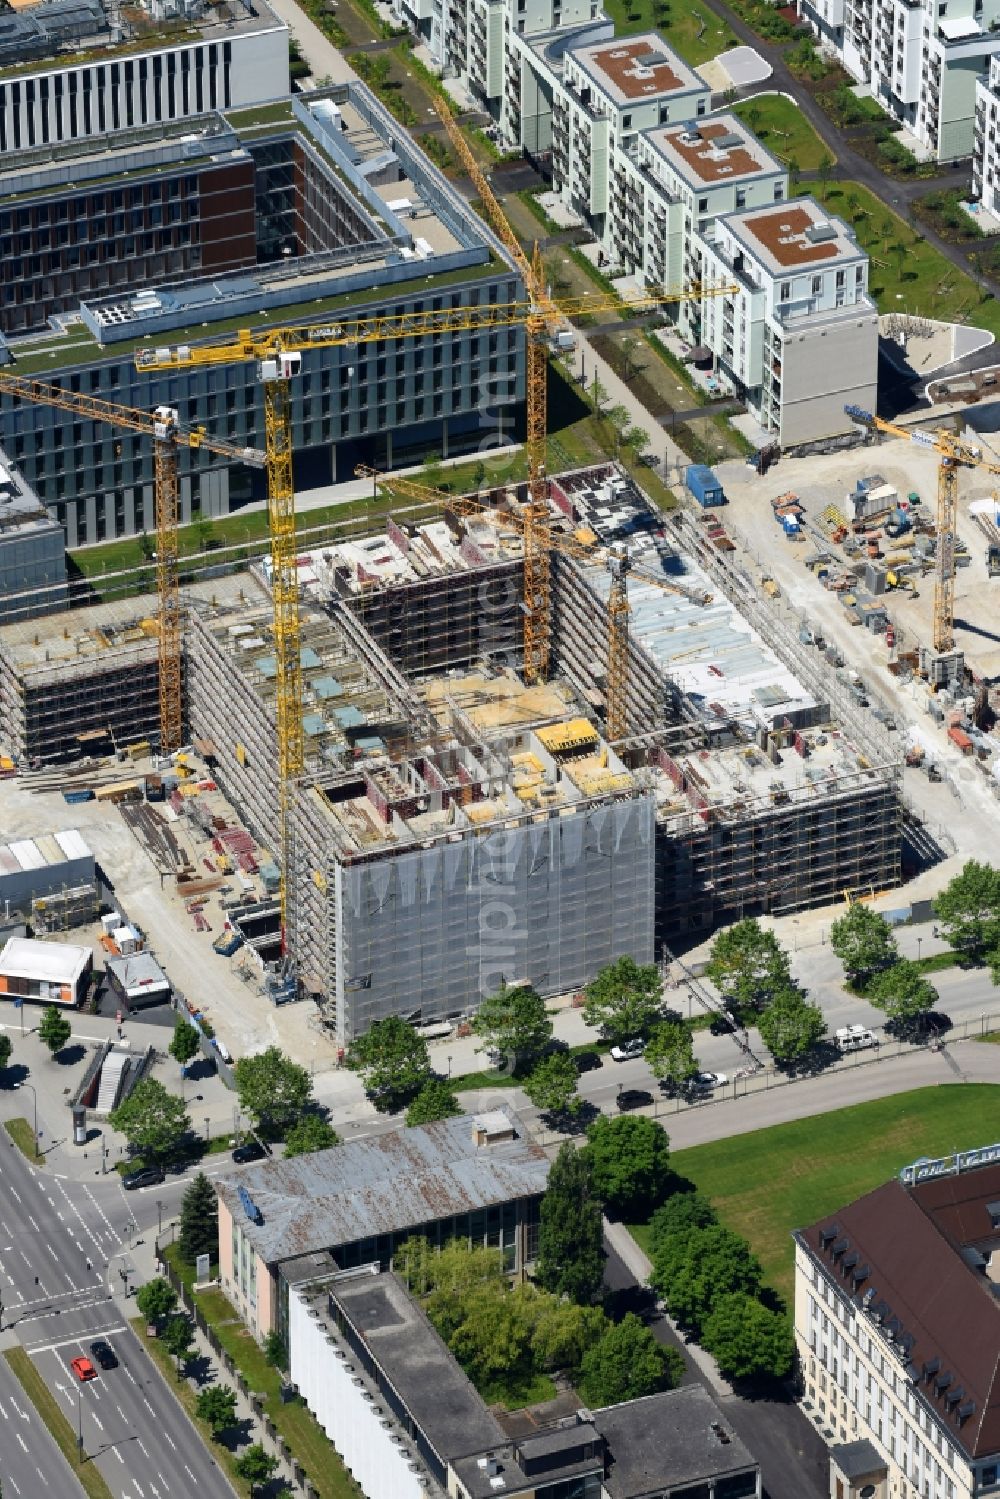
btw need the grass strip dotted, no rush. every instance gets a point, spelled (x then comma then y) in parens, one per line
(23, 1137)
(59, 1428)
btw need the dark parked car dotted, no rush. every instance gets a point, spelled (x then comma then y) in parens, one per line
(148, 1176)
(633, 1098)
(722, 1024)
(102, 1353)
(249, 1151)
(588, 1061)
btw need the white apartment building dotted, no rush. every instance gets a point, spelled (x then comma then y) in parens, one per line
(897, 1322)
(985, 164)
(799, 337)
(222, 61)
(921, 58)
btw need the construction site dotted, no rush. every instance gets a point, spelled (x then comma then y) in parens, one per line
(454, 825)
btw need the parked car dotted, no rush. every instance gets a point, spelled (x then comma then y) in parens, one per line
(855, 1038)
(633, 1098)
(628, 1049)
(709, 1080)
(722, 1024)
(103, 1354)
(250, 1150)
(146, 1176)
(83, 1369)
(588, 1061)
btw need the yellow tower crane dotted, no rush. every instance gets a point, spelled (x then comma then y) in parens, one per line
(168, 435)
(616, 559)
(954, 453)
(278, 355)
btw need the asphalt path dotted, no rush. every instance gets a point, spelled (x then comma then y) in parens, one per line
(65, 1260)
(32, 1463)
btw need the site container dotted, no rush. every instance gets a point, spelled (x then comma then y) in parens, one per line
(703, 485)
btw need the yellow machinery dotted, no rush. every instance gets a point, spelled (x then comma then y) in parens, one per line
(168, 433)
(954, 454)
(617, 560)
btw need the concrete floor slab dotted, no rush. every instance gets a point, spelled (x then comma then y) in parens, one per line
(745, 66)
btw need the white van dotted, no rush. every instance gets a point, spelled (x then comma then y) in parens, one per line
(855, 1038)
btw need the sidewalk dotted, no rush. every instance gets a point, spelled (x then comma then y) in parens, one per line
(586, 362)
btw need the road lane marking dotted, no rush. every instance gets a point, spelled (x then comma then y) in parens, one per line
(101, 1332)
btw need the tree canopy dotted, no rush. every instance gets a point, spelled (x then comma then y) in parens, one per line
(790, 1025)
(670, 1053)
(902, 992)
(156, 1299)
(551, 1086)
(680, 1214)
(199, 1220)
(747, 1339)
(184, 1043)
(513, 1026)
(570, 1233)
(272, 1089)
(393, 1062)
(968, 909)
(54, 1029)
(255, 1466)
(692, 1270)
(748, 965)
(6, 1048)
(310, 1133)
(152, 1120)
(216, 1405)
(630, 1163)
(177, 1338)
(626, 1364)
(863, 941)
(434, 1102)
(624, 999)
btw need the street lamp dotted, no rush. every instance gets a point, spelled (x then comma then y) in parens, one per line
(159, 1219)
(79, 1422)
(31, 1089)
(920, 943)
(207, 1123)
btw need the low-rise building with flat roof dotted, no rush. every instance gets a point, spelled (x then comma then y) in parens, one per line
(50, 972)
(477, 1178)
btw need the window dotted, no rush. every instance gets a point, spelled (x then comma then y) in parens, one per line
(817, 284)
(786, 291)
(702, 205)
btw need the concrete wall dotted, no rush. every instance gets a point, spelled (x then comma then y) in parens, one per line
(823, 369)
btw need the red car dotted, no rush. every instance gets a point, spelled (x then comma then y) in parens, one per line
(83, 1369)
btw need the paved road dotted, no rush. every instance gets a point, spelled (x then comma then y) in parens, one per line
(63, 1248)
(32, 1464)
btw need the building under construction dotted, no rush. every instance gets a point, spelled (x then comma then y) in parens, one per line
(455, 827)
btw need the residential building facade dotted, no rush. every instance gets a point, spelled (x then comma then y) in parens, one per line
(897, 1321)
(985, 163)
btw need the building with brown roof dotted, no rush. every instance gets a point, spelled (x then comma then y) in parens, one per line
(897, 1320)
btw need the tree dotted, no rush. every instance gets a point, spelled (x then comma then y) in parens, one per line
(968, 909)
(693, 1270)
(272, 1089)
(670, 1053)
(184, 1044)
(434, 1102)
(54, 1029)
(199, 1220)
(493, 1337)
(627, 1363)
(747, 1339)
(6, 1047)
(638, 441)
(513, 1026)
(748, 965)
(624, 999)
(902, 992)
(457, 1275)
(617, 420)
(309, 1134)
(551, 1087)
(794, 171)
(630, 1164)
(255, 1466)
(216, 1405)
(275, 1351)
(562, 1331)
(598, 394)
(177, 1337)
(790, 1025)
(824, 169)
(393, 1063)
(152, 1120)
(680, 1215)
(156, 1300)
(863, 941)
(570, 1232)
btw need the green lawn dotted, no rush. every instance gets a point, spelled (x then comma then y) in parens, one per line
(23, 1137)
(784, 130)
(693, 31)
(295, 1422)
(767, 1183)
(907, 274)
(50, 1411)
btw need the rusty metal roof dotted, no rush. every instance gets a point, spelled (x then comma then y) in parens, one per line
(380, 1185)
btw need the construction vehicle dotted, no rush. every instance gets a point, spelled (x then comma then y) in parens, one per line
(277, 352)
(168, 433)
(616, 559)
(954, 453)
(895, 579)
